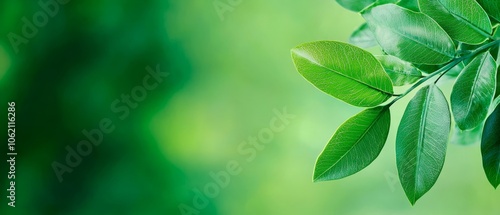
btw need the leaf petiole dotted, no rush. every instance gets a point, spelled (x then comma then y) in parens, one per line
(443, 70)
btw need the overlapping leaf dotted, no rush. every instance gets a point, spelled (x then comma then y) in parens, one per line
(473, 91)
(354, 145)
(359, 5)
(464, 20)
(363, 37)
(421, 141)
(409, 4)
(492, 7)
(409, 35)
(400, 72)
(490, 147)
(344, 71)
(496, 53)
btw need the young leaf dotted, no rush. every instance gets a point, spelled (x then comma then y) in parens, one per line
(363, 37)
(464, 20)
(421, 141)
(490, 148)
(344, 71)
(473, 91)
(359, 5)
(400, 72)
(410, 36)
(492, 7)
(354, 145)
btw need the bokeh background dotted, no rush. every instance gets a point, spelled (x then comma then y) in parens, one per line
(228, 71)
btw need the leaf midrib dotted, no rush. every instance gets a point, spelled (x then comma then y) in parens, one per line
(421, 138)
(379, 115)
(473, 89)
(417, 41)
(404, 73)
(467, 22)
(343, 75)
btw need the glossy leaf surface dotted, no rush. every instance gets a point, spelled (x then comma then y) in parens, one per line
(421, 141)
(344, 71)
(354, 145)
(473, 92)
(464, 20)
(410, 36)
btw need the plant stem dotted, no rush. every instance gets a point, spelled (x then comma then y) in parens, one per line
(443, 70)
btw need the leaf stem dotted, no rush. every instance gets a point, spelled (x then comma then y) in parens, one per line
(473, 54)
(443, 70)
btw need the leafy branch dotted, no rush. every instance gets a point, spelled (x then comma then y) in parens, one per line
(417, 36)
(443, 70)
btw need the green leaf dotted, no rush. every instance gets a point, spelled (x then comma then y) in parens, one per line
(473, 91)
(490, 148)
(410, 36)
(497, 91)
(400, 72)
(363, 37)
(344, 71)
(355, 5)
(456, 70)
(492, 7)
(427, 68)
(464, 20)
(409, 4)
(355, 145)
(359, 5)
(421, 141)
(495, 52)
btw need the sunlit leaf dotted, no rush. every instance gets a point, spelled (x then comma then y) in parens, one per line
(359, 5)
(400, 72)
(410, 36)
(421, 141)
(354, 145)
(492, 7)
(464, 20)
(344, 71)
(363, 37)
(473, 92)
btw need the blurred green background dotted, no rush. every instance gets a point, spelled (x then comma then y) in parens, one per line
(229, 69)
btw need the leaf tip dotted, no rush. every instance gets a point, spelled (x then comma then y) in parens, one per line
(413, 198)
(317, 178)
(495, 186)
(413, 201)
